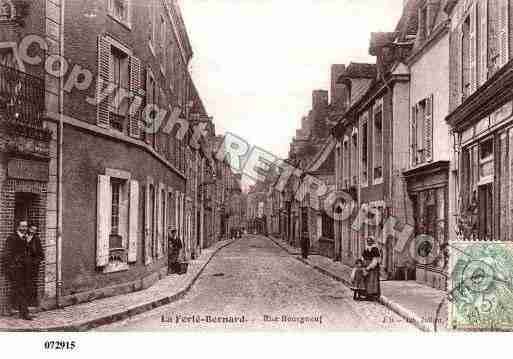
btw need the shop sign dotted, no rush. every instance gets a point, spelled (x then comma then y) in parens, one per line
(501, 114)
(31, 170)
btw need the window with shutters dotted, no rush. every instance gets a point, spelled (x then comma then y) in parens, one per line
(120, 11)
(117, 221)
(378, 143)
(421, 132)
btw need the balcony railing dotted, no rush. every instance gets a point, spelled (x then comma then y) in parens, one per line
(22, 97)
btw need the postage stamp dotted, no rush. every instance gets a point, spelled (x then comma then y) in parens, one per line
(481, 293)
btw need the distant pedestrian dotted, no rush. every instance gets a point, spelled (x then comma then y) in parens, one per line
(358, 275)
(23, 256)
(174, 245)
(372, 258)
(305, 246)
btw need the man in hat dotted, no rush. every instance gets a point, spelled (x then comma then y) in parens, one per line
(23, 256)
(174, 245)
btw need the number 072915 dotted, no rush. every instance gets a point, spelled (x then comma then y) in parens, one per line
(60, 345)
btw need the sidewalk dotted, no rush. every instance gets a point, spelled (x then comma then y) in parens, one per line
(416, 303)
(89, 315)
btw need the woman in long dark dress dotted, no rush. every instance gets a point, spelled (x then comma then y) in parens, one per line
(372, 257)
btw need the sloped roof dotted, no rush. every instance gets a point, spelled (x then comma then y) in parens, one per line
(358, 70)
(409, 21)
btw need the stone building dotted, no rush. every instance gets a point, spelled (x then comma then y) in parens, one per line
(480, 105)
(103, 162)
(430, 183)
(371, 151)
(29, 162)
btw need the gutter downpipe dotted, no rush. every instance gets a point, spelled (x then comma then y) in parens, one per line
(58, 241)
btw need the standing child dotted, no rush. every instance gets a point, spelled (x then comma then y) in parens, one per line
(358, 280)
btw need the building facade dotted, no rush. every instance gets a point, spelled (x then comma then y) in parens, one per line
(102, 162)
(481, 116)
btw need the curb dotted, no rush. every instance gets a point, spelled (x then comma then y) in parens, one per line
(125, 314)
(404, 313)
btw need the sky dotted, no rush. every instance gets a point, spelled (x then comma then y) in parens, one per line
(256, 62)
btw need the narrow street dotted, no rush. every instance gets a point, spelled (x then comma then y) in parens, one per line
(256, 281)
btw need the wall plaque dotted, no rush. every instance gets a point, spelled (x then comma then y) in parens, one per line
(19, 168)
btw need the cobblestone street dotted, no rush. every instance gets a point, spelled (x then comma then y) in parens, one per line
(254, 280)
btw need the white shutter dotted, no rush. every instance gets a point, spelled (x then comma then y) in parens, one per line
(133, 222)
(135, 91)
(483, 47)
(104, 207)
(147, 226)
(473, 48)
(504, 31)
(104, 78)
(428, 129)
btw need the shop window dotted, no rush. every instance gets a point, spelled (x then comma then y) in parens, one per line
(486, 159)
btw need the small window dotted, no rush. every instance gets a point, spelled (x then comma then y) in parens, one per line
(120, 10)
(466, 73)
(486, 167)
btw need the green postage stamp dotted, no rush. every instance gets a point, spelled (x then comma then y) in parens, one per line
(481, 292)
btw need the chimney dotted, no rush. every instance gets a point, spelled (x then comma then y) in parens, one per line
(319, 98)
(337, 90)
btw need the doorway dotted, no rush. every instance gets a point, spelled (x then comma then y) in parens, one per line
(24, 209)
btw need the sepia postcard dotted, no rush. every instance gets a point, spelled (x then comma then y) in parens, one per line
(256, 165)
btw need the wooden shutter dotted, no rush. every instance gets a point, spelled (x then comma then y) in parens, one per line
(160, 220)
(104, 207)
(150, 100)
(413, 136)
(483, 47)
(135, 91)
(133, 221)
(503, 199)
(428, 129)
(504, 31)
(147, 224)
(104, 79)
(473, 48)
(459, 39)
